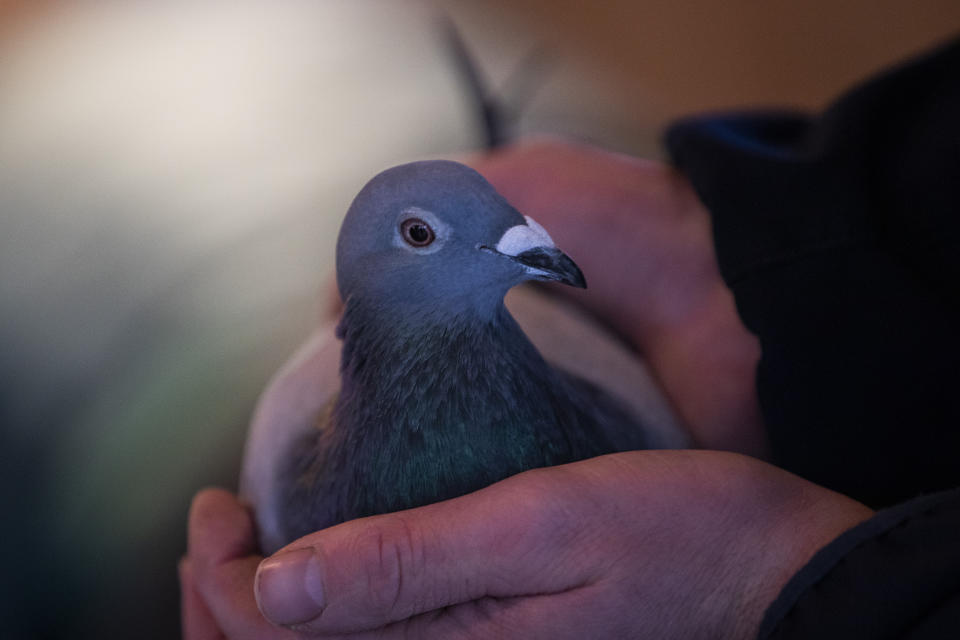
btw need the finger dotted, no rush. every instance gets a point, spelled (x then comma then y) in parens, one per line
(549, 617)
(514, 538)
(196, 620)
(223, 559)
(571, 614)
(219, 529)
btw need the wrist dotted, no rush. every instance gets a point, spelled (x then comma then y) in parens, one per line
(803, 521)
(775, 523)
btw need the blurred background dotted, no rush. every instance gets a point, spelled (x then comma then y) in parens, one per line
(172, 177)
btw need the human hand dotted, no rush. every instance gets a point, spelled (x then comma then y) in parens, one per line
(652, 544)
(644, 241)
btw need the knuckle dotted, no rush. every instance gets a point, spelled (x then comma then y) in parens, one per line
(390, 554)
(544, 499)
(551, 510)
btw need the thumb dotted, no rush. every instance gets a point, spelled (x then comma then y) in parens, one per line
(514, 538)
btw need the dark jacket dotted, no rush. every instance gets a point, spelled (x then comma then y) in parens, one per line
(839, 235)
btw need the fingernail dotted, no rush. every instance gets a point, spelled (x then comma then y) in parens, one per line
(289, 587)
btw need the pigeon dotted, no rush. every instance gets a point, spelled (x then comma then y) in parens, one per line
(440, 390)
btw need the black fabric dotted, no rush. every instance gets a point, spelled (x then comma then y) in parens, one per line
(892, 576)
(840, 237)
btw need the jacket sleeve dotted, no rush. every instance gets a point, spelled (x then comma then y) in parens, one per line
(896, 575)
(839, 235)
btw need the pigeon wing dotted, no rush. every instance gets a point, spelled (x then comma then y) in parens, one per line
(294, 406)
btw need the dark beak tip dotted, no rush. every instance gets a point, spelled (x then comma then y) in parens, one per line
(573, 277)
(555, 265)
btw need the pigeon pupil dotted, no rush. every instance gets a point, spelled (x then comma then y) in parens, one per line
(417, 232)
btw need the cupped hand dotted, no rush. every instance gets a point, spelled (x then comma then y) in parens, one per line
(653, 544)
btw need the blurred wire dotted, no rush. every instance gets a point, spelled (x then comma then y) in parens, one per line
(497, 113)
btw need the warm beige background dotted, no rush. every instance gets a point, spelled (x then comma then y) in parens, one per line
(701, 54)
(644, 62)
(648, 60)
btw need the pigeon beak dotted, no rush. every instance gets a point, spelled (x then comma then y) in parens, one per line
(549, 263)
(532, 247)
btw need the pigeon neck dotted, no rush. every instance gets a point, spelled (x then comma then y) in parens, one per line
(423, 351)
(403, 320)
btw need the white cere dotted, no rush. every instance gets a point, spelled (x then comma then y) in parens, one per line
(524, 237)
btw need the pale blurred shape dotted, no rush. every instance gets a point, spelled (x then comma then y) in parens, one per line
(172, 177)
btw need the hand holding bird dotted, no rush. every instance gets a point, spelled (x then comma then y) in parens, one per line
(470, 563)
(441, 392)
(645, 544)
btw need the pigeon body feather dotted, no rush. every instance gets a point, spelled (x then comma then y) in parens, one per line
(413, 425)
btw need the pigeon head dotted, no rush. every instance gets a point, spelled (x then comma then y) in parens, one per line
(436, 233)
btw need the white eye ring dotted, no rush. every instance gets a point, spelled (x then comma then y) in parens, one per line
(439, 231)
(417, 233)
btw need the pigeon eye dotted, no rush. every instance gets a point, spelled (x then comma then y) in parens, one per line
(416, 232)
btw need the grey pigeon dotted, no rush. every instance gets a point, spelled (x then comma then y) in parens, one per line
(441, 392)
